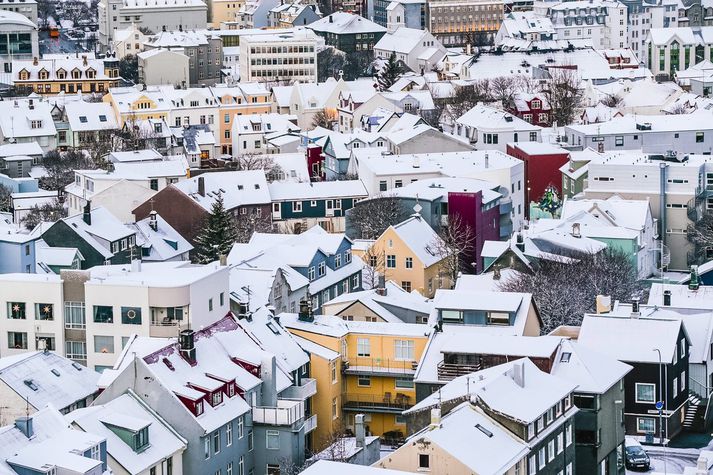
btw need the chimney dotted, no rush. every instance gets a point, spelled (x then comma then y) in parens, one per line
(487, 160)
(468, 49)
(201, 186)
(577, 230)
(153, 222)
(268, 374)
(496, 273)
(635, 311)
(187, 346)
(87, 216)
(518, 373)
(520, 242)
(603, 304)
(694, 283)
(84, 60)
(305, 314)
(331, 20)
(436, 417)
(35, 61)
(666, 298)
(223, 260)
(359, 431)
(24, 423)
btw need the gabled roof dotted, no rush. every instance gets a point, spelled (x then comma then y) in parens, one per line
(393, 296)
(343, 23)
(163, 244)
(238, 188)
(420, 238)
(104, 226)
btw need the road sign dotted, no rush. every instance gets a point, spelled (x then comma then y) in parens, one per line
(659, 405)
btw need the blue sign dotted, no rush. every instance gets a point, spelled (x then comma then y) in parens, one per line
(659, 405)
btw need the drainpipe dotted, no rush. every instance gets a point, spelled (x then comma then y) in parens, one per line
(662, 202)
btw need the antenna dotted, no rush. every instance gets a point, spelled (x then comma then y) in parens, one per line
(27, 406)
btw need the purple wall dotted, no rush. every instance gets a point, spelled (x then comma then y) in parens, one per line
(486, 224)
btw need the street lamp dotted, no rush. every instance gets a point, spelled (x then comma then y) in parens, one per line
(663, 444)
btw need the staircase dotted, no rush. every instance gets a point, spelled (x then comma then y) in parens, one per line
(694, 420)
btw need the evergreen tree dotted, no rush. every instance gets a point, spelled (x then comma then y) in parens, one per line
(218, 234)
(390, 73)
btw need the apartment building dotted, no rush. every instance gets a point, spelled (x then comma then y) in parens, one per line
(204, 51)
(460, 22)
(155, 16)
(663, 14)
(245, 98)
(348, 32)
(603, 22)
(378, 361)
(27, 8)
(89, 315)
(668, 50)
(18, 37)
(279, 57)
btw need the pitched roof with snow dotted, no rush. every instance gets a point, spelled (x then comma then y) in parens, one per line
(238, 188)
(420, 238)
(342, 23)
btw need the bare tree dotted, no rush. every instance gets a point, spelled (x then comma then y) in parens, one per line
(325, 119)
(134, 135)
(5, 198)
(370, 218)
(565, 289)
(374, 267)
(60, 168)
(678, 109)
(564, 95)
(249, 223)
(455, 245)
(612, 100)
(503, 89)
(258, 161)
(52, 211)
(467, 97)
(701, 235)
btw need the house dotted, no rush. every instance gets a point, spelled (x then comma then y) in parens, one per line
(348, 32)
(487, 128)
(385, 303)
(300, 206)
(44, 442)
(405, 13)
(532, 108)
(377, 365)
(138, 440)
(243, 98)
(51, 260)
(164, 66)
(664, 349)
(663, 48)
(289, 15)
(357, 450)
(32, 380)
(127, 41)
(90, 123)
(525, 28)
(68, 74)
(307, 99)
(574, 172)
(413, 255)
(355, 106)
(416, 48)
(185, 205)
(602, 18)
(158, 241)
(97, 234)
(251, 132)
(18, 28)
(423, 139)
(18, 249)
(24, 121)
(511, 437)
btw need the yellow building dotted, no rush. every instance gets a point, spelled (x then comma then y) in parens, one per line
(378, 361)
(224, 11)
(240, 99)
(68, 75)
(411, 255)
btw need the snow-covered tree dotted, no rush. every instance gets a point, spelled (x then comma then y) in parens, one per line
(390, 73)
(218, 234)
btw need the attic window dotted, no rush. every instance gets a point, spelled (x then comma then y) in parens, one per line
(273, 328)
(565, 357)
(257, 187)
(102, 118)
(55, 371)
(31, 384)
(141, 439)
(484, 430)
(240, 187)
(83, 119)
(168, 364)
(77, 366)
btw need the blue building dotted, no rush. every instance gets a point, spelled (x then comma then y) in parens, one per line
(17, 250)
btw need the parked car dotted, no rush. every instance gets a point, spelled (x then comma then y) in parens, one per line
(636, 457)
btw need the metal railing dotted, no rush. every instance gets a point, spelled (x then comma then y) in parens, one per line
(306, 389)
(449, 371)
(374, 402)
(366, 364)
(286, 413)
(310, 424)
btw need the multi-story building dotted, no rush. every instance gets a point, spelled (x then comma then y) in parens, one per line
(128, 41)
(668, 50)
(65, 74)
(279, 57)
(406, 13)
(204, 51)
(154, 16)
(164, 66)
(488, 128)
(378, 361)
(27, 8)
(662, 14)
(89, 315)
(18, 37)
(415, 48)
(604, 22)
(348, 32)
(251, 132)
(694, 13)
(289, 15)
(460, 22)
(245, 98)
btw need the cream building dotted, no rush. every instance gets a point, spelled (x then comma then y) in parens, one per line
(279, 57)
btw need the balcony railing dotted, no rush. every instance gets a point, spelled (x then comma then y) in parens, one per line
(306, 389)
(310, 424)
(368, 365)
(378, 403)
(286, 413)
(449, 371)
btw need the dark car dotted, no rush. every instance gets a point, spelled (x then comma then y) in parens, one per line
(636, 458)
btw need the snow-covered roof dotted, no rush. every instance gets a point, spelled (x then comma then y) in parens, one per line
(19, 118)
(292, 191)
(336, 327)
(129, 412)
(238, 188)
(163, 243)
(54, 378)
(402, 40)
(439, 188)
(685, 35)
(421, 239)
(104, 225)
(328, 467)
(90, 116)
(316, 349)
(592, 371)
(379, 302)
(342, 23)
(682, 296)
(484, 117)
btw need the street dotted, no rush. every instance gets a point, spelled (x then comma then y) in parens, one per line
(676, 460)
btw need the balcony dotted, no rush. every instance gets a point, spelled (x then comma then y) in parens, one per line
(450, 371)
(385, 403)
(310, 424)
(307, 389)
(379, 366)
(505, 206)
(286, 413)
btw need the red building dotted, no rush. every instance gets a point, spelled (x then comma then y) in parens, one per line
(542, 164)
(532, 108)
(315, 162)
(485, 223)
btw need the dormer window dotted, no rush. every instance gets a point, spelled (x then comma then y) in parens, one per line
(91, 74)
(61, 74)
(141, 439)
(198, 408)
(535, 104)
(44, 74)
(217, 398)
(231, 389)
(35, 124)
(24, 75)
(76, 74)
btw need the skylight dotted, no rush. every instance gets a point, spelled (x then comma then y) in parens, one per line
(484, 430)
(565, 357)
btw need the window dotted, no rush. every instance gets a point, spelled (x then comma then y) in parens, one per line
(17, 340)
(568, 435)
(310, 273)
(103, 344)
(229, 468)
(364, 381)
(424, 461)
(683, 347)
(541, 458)
(403, 349)
(296, 206)
(141, 439)
(683, 381)
(699, 137)
(131, 315)
(44, 311)
(531, 465)
(222, 298)
(645, 424)
(273, 469)
(229, 433)
(321, 269)
(250, 440)
(363, 347)
(206, 448)
(409, 262)
(103, 314)
(498, 318)
(333, 370)
(337, 261)
(645, 392)
(551, 450)
(272, 441)
(391, 261)
(335, 409)
(210, 305)
(241, 466)
(560, 443)
(75, 350)
(404, 383)
(16, 310)
(348, 256)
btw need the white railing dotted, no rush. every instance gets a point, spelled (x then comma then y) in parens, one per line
(310, 424)
(286, 413)
(302, 392)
